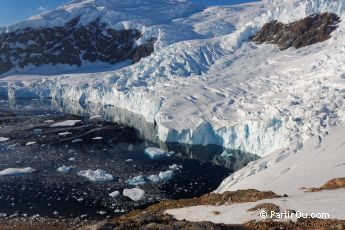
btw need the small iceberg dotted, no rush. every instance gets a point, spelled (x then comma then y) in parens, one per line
(65, 134)
(3, 139)
(134, 194)
(95, 117)
(16, 171)
(114, 194)
(64, 169)
(31, 143)
(167, 175)
(156, 153)
(136, 181)
(96, 175)
(162, 176)
(68, 123)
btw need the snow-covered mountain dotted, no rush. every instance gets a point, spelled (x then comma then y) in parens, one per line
(204, 82)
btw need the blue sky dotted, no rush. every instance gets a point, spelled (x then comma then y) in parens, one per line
(12, 11)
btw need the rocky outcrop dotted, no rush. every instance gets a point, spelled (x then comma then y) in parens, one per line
(336, 183)
(71, 44)
(310, 30)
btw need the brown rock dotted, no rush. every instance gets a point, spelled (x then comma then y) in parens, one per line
(310, 30)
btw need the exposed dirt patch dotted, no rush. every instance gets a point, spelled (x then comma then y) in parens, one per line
(40, 223)
(267, 207)
(315, 224)
(310, 30)
(329, 185)
(153, 217)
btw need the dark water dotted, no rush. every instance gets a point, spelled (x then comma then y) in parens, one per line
(120, 153)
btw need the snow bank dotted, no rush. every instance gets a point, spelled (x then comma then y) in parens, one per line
(16, 171)
(96, 175)
(134, 194)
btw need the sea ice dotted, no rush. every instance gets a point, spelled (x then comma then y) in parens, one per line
(96, 175)
(67, 123)
(135, 194)
(114, 194)
(65, 134)
(64, 169)
(16, 171)
(156, 153)
(167, 175)
(3, 139)
(95, 117)
(135, 181)
(31, 143)
(77, 140)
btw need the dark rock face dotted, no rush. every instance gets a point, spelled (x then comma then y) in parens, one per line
(310, 30)
(70, 44)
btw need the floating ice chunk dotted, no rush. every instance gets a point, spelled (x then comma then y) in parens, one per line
(114, 194)
(65, 134)
(72, 159)
(77, 140)
(162, 176)
(135, 194)
(96, 175)
(95, 117)
(97, 138)
(154, 178)
(38, 131)
(3, 139)
(31, 143)
(64, 169)
(129, 160)
(175, 167)
(67, 123)
(3, 215)
(49, 121)
(16, 171)
(156, 153)
(167, 175)
(135, 181)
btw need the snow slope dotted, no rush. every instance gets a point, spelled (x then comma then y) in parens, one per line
(205, 83)
(288, 170)
(284, 172)
(326, 204)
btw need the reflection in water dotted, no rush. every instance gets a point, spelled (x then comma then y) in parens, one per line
(231, 159)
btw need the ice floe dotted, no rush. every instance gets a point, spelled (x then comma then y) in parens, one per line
(64, 169)
(96, 175)
(135, 181)
(134, 194)
(3, 139)
(67, 123)
(156, 153)
(16, 171)
(115, 194)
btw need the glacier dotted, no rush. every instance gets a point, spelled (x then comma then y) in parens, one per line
(209, 86)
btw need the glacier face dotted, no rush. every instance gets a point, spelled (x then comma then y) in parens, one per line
(217, 88)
